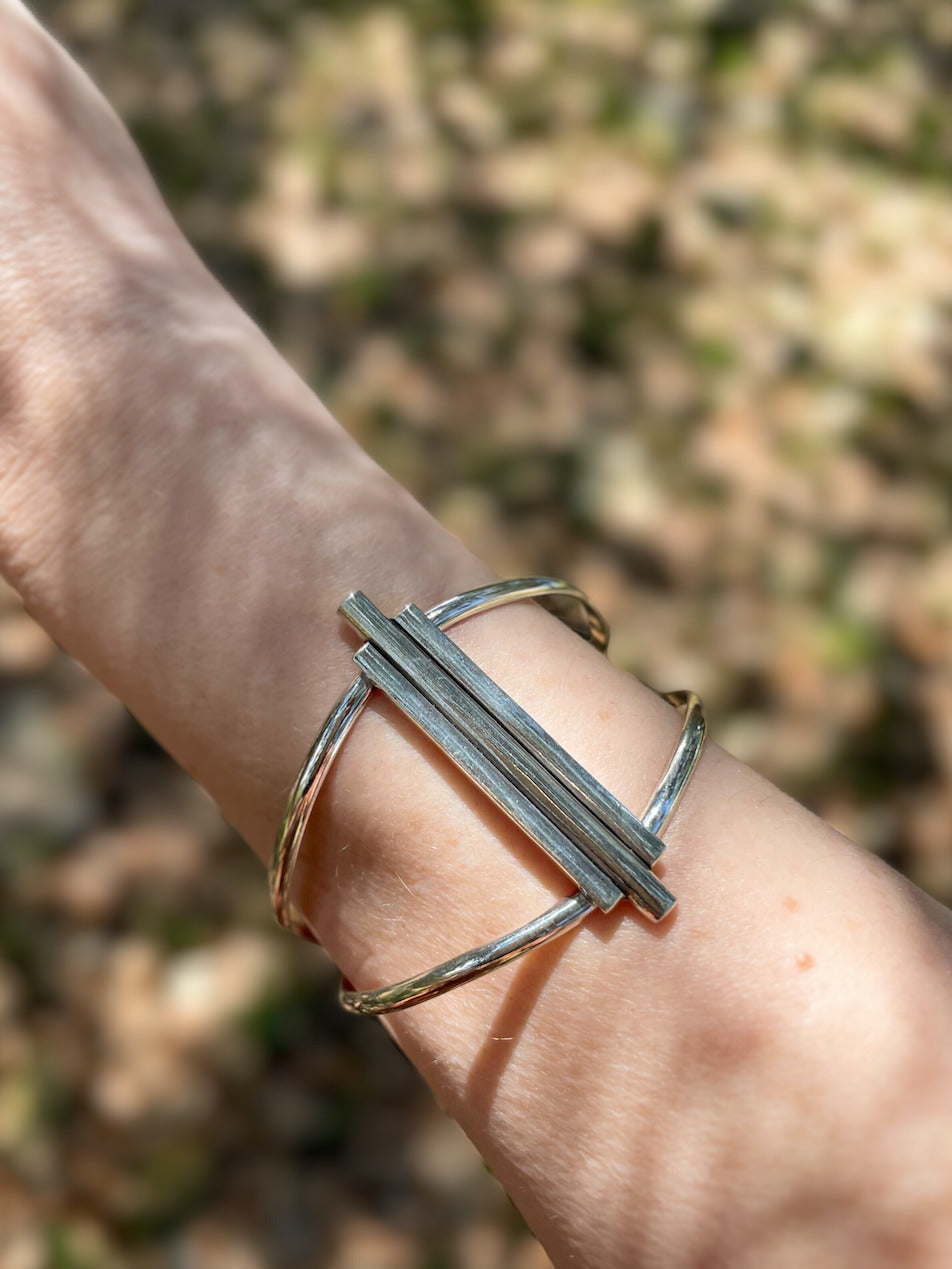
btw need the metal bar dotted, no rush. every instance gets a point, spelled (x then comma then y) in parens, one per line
(482, 771)
(627, 827)
(472, 718)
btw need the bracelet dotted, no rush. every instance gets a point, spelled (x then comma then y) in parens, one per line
(596, 840)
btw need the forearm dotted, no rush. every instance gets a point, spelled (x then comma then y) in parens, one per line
(164, 476)
(742, 1085)
(186, 525)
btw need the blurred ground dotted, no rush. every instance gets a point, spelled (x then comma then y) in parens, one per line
(653, 296)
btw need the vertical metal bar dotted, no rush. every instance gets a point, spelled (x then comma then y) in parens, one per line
(627, 827)
(410, 700)
(587, 832)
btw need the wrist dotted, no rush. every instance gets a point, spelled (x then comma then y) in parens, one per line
(674, 1058)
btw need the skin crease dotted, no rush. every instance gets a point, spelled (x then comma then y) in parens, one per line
(763, 1080)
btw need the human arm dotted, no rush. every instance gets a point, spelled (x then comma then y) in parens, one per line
(180, 512)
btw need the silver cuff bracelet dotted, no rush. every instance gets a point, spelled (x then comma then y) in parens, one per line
(606, 850)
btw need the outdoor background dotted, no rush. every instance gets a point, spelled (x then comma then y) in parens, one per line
(653, 296)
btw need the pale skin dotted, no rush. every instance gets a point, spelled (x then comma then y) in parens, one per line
(765, 1080)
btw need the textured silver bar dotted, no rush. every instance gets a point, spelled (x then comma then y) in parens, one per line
(520, 765)
(563, 916)
(483, 772)
(626, 827)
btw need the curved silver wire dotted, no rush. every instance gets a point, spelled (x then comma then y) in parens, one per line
(469, 965)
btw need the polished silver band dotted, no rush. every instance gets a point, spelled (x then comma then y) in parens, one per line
(584, 829)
